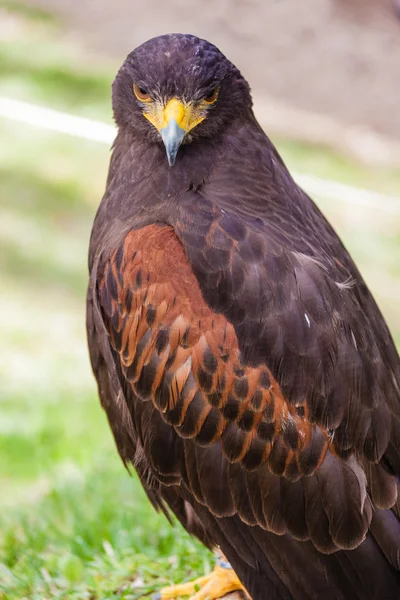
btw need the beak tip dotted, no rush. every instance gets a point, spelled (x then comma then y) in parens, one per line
(172, 136)
(171, 159)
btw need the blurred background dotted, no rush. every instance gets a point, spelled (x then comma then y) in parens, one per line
(325, 77)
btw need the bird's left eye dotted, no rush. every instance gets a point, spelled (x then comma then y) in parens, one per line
(141, 93)
(212, 96)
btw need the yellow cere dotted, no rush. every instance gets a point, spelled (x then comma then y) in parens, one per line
(186, 115)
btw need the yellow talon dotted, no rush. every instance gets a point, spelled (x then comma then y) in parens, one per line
(217, 584)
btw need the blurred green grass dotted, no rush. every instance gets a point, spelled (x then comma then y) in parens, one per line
(72, 523)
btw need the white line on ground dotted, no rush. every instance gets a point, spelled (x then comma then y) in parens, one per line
(54, 120)
(334, 190)
(81, 127)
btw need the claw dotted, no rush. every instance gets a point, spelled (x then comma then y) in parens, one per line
(217, 584)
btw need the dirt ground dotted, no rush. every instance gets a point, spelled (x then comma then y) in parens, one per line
(335, 58)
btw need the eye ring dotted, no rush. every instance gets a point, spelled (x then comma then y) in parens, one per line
(141, 93)
(212, 96)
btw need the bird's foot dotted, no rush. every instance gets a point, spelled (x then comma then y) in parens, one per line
(221, 581)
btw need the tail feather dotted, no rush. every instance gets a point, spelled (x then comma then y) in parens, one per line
(278, 567)
(385, 528)
(376, 577)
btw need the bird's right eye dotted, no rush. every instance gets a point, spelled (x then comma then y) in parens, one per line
(212, 96)
(141, 93)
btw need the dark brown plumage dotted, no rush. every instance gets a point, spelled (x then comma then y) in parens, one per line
(245, 368)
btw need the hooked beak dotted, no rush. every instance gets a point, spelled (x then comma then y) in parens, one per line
(173, 121)
(172, 136)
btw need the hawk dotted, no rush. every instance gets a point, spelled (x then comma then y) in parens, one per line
(245, 369)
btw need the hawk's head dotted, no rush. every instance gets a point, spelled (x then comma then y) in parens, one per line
(176, 89)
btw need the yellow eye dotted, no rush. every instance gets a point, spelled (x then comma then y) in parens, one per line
(141, 93)
(212, 96)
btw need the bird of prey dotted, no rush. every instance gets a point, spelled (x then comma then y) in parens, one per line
(245, 369)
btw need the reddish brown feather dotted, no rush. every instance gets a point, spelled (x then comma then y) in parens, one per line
(173, 347)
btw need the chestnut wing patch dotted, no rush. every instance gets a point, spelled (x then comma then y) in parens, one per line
(280, 469)
(177, 352)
